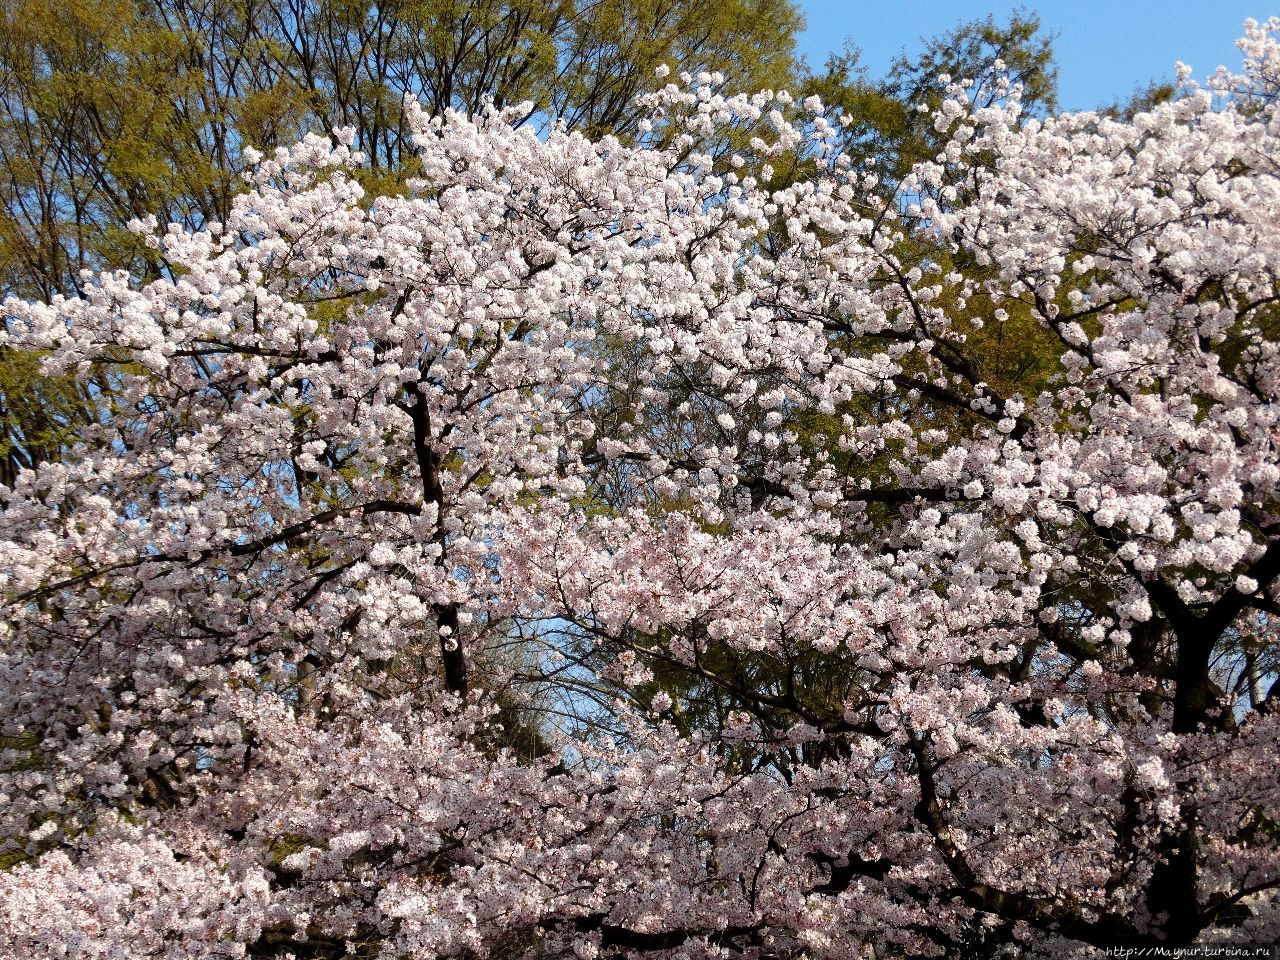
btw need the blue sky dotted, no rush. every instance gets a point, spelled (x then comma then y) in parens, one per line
(1104, 49)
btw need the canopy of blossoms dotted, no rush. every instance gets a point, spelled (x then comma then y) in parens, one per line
(834, 644)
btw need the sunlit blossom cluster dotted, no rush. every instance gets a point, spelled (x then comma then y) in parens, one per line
(661, 410)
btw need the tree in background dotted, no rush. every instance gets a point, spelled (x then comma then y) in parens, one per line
(994, 657)
(133, 108)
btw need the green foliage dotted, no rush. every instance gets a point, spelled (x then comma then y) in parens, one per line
(39, 415)
(1142, 99)
(112, 110)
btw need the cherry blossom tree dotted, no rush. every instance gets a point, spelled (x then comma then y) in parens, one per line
(834, 633)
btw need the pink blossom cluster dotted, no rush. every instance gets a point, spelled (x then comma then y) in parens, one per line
(831, 647)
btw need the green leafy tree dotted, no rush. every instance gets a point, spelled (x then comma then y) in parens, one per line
(116, 110)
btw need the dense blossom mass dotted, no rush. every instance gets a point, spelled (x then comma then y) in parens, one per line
(692, 548)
